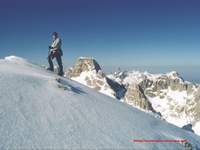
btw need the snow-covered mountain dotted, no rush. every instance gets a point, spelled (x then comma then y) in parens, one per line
(88, 72)
(39, 110)
(176, 100)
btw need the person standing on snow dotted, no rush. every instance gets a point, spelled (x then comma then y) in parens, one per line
(55, 51)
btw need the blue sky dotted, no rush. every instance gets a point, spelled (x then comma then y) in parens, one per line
(115, 32)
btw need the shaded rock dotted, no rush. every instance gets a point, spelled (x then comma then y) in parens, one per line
(136, 97)
(150, 93)
(146, 83)
(161, 83)
(119, 89)
(188, 127)
(177, 84)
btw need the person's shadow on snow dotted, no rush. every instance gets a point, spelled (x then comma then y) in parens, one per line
(66, 86)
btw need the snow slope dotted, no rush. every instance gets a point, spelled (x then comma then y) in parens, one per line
(175, 99)
(38, 111)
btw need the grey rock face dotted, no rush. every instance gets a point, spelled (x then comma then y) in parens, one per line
(161, 83)
(188, 127)
(136, 97)
(195, 105)
(83, 64)
(177, 84)
(146, 83)
(164, 82)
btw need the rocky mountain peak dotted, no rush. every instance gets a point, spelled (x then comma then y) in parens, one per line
(173, 75)
(83, 64)
(88, 72)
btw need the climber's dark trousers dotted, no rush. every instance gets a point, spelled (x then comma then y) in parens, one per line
(59, 61)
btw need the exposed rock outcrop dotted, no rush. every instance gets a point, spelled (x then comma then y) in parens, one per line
(135, 96)
(188, 127)
(88, 71)
(84, 64)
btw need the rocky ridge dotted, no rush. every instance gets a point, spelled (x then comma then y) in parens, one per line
(168, 94)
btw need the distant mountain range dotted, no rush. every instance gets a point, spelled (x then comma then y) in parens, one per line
(167, 95)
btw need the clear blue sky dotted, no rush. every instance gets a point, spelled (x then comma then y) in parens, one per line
(115, 32)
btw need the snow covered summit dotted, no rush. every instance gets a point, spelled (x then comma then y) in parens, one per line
(38, 110)
(15, 58)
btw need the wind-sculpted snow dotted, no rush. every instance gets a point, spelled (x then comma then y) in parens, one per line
(39, 110)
